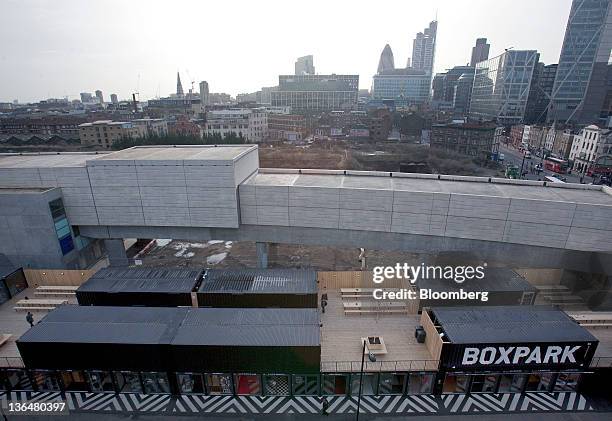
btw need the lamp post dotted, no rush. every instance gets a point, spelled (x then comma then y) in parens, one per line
(372, 358)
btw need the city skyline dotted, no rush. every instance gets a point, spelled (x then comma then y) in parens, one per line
(68, 48)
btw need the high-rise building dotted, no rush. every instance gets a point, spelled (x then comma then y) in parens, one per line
(463, 93)
(100, 96)
(316, 92)
(305, 65)
(404, 86)
(501, 87)
(179, 86)
(540, 93)
(480, 52)
(85, 97)
(114, 99)
(386, 61)
(579, 90)
(204, 94)
(424, 48)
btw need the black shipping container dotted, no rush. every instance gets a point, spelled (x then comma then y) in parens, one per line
(258, 288)
(174, 339)
(149, 287)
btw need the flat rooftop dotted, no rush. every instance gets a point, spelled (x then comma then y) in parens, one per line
(198, 154)
(47, 160)
(415, 183)
(509, 324)
(260, 281)
(142, 280)
(177, 326)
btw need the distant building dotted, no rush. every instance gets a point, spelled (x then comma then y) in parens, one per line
(182, 126)
(250, 123)
(444, 89)
(86, 97)
(265, 95)
(587, 147)
(304, 66)
(404, 86)
(516, 135)
(540, 92)
(290, 127)
(580, 84)
(152, 126)
(473, 139)
(114, 99)
(252, 97)
(565, 145)
(501, 87)
(179, 86)
(480, 52)
(204, 94)
(424, 49)
(100, 96)
(105, 132)
(220, 99)
(386, 61)
(463, 94)
(65, 126)
(317, 92)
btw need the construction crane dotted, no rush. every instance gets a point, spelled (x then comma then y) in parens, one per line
(134, 101)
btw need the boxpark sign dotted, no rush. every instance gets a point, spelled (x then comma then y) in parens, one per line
(532, 356)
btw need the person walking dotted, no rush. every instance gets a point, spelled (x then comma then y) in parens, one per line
(324, 406)
(30, 319)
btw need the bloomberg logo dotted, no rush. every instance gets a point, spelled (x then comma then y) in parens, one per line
(513, 355)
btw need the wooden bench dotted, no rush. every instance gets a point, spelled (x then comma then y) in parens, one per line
(68, 289)
(53, 294)
(34, 308)
(382, 311)
(38, 304)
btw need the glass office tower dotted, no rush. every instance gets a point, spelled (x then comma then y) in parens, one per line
(580, 83)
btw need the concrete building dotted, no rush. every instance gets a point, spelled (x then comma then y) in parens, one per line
(204, 94)
(565, 146)
(477, 140)
(580, 84)
(386, 61)
(516, 135)
(65, 126)
(100, 96)
(152, 126)
(250, 123)
(480, 51)
(264, 96)
(105, 132)
(317, 92)
(502, 85)
(114, 99)
(183, 126)
(587, 147)
(304, 66)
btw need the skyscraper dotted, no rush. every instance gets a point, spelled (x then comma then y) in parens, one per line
(579, 90)
(424, 48)
(179, 85)
(480, 52)
(204, 94)
(304, 66)
(114, 99)
(100, 96)
(386, 61)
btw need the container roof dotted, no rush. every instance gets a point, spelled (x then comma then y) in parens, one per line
(141, 280)
(6, 267)
(260, 281)
(495, 279)
(509, 324)
(177, 326)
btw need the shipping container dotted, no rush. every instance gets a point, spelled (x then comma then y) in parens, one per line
(258, 288)
(149, 287)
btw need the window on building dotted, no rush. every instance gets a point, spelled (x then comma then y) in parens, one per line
(567, 382)
(128, 382)
(392, 383)
(190, 383)
(305, 385)
(62, 229)
(74, 381)
(420, 383)
(19, 380)
(276, 385)
(539, 382)
(247, 384)
(155, 382)
(219, 384)
(46, 381)
(335, 384)
(455, 383)
(100, 381)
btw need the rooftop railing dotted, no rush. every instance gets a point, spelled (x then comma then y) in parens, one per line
(379, 366)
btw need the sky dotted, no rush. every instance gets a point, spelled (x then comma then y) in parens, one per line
(58, 48)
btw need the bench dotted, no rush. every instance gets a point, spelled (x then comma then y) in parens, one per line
(596, 325)
(56, 289)
(33, 308)
(38, 304)
(54, 294)
(382, 311)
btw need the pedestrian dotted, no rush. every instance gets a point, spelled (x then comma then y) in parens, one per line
(30, 319)
(324, 406)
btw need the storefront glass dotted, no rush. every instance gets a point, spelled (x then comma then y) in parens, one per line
(46, 381)
(306, 385)
(335, 384)
(219, 384)
(19, 380)
(128, 382)
(190, 383)
(420, 383)
(511, 383)
(247, 384)
(369, 384)
(155, 382)
(484, 383)
(392, 383)
(100, 381)
(74, 381)
(539, 382)
(567, 382)
(276, 385)
(455, 383)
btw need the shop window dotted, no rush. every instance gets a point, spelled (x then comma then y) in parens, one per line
(392, 383)
(100, 381)
(155, 382)
(567, 382)
(484, 383)
(369, 384)
(276, 385)
(420, 383)
(454, 383)
(539, 382)
(46, 381)
(335, 384)
(306, 385)
(511, 383)
(74, 381)
(247, 384)
(128, 382)
(219, 384)
(190, 382)
(19, 380)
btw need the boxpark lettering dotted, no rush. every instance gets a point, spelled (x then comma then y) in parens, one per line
(511, 355)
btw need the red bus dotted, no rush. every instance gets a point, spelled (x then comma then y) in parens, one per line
(555, 165)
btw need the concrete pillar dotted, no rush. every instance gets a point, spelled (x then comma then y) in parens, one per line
(116, 252)
(262, 255)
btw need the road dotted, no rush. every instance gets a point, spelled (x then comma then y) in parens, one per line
(515, 157)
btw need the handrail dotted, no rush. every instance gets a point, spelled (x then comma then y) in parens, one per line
(379, 366)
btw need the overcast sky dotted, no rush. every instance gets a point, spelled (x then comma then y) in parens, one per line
(57, 48)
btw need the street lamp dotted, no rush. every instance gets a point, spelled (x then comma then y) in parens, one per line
(372, 358)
